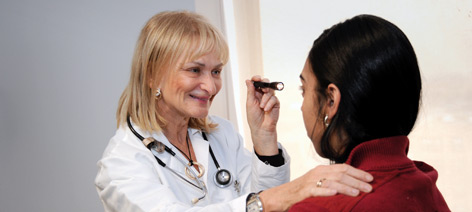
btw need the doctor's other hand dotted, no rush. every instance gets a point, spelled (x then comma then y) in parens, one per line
(262, 110)
(323, 180)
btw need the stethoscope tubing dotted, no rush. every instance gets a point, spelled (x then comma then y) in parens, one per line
(167, 149)
(220, 172)
(201, 187)
(157, 147)
(152, 147)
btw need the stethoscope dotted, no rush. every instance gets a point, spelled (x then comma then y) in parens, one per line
(222, 178)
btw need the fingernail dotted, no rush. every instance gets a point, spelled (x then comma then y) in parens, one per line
(367, 188)
(369, 178)
(355, 192)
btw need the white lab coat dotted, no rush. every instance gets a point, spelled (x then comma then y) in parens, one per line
(130, 179)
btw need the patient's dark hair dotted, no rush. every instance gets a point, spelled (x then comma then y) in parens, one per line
(374, 66)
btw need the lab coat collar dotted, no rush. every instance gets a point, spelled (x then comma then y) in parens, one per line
(193, 131)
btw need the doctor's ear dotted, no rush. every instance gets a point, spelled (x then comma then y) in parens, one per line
(333, 99)
(154, 84)
(151, 83)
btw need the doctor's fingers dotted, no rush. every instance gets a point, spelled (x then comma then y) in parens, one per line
(314, 191)
(256, 78)
(268, 95)
(352, 177)
(253, 96)
(341, 178)
(251, 92)
(344, 184)
(338, 171)
(351, 171)
(338, 186)
(271, 103)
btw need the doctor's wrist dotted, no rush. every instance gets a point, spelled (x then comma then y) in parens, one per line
(273, 160)
(254, 203)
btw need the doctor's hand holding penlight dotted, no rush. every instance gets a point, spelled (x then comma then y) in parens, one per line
(262, 108)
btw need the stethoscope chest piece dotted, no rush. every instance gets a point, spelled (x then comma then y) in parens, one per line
(223, 178)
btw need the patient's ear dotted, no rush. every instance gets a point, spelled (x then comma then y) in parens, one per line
(332, 102)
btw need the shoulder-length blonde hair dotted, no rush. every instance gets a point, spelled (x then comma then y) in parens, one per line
(166, 38)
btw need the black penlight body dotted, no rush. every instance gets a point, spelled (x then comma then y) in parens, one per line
(273, 85)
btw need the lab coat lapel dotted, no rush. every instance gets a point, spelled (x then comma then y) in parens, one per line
(200, 147)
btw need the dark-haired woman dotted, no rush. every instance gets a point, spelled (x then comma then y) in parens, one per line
(361, 88)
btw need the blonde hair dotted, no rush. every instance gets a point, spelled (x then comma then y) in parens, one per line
(165, 39)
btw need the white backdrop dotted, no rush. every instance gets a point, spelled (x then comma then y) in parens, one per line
(63, 66)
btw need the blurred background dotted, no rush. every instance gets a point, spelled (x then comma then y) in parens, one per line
(64, 64)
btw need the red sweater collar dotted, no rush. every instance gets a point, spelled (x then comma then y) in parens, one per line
(381, 154)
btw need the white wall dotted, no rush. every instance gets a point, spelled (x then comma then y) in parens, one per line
(441, 33)
(63, 66)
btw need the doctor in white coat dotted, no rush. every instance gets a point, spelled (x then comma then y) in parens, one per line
(169, 155)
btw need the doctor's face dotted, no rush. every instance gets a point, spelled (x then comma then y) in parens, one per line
(310, 108)
(189, 90)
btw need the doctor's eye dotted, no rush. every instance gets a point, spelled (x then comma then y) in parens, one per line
(216, 72)
(194, 70)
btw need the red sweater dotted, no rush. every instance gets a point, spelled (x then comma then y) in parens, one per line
(400, 184)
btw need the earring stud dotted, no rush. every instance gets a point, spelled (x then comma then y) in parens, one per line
(158, 94)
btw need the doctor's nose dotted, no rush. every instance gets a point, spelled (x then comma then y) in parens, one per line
(209, 84)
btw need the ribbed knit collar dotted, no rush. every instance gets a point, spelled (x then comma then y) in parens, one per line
(381, 154)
